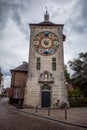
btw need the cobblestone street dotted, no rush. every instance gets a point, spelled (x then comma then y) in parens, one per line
(14, 120)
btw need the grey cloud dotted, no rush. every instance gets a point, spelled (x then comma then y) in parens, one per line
(6, 73)
(16, 17)
(78, 19)
(5, 12)
(4, 9)
(84, 11)
(12, 9)
(61, 1)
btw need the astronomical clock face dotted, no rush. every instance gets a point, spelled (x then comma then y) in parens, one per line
(46, 43)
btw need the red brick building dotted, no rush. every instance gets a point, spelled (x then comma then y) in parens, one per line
(1, 83)
(18, 83)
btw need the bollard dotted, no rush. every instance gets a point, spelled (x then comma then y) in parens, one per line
(48, 111)
(36, 108)
(65, 112)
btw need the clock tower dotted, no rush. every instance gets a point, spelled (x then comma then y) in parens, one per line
(45, 84)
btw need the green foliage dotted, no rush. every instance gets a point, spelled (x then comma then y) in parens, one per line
(79, 78)
(78, 102)
(75, 93)
(67, 75)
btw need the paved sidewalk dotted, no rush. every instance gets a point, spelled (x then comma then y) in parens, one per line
(74, 115)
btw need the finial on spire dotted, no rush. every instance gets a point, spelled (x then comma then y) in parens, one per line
(46, 16)
(46, 10)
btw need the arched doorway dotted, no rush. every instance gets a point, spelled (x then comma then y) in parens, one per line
(45, 96)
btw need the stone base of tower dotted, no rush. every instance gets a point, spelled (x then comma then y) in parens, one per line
(55, 105)
(31, 99)
(34, 96)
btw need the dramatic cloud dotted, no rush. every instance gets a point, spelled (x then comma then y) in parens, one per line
(15, 16)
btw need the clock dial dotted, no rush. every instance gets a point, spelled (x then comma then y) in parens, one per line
(56, 42)
(46, 43)
(41, 50)
(51, 51)
(36, 42)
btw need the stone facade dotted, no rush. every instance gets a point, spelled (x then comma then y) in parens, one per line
(33, 91)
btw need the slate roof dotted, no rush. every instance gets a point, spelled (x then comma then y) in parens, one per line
(22, 67)
(47, 23)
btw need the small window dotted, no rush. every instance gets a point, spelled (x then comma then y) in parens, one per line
(38, 64)
(53, 63)
(16, 93)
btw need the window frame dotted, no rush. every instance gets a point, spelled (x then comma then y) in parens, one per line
(16, 93)
(53, 64)
(38, 63)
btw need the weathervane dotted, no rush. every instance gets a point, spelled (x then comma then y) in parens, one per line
(46, 10)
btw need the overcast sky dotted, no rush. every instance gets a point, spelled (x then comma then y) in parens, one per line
(15, 16)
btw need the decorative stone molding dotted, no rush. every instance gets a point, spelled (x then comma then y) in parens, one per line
(46, 77)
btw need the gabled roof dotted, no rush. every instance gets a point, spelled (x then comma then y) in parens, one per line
(22, 67)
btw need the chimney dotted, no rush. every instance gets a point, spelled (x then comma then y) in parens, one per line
(24, 62)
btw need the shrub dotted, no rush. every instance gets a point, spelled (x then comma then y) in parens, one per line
(78, 102)
(75, 93)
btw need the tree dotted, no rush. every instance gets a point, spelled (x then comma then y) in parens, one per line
(79, 77)
(75, 93)
(67, 75)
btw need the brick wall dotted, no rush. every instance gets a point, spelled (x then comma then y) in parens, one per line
(18, 79)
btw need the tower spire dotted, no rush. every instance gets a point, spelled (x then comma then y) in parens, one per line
(46, 15)
(46, 10)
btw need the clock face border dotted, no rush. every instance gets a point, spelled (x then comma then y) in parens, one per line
(46, 43)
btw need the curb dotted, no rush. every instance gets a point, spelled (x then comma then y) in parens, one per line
(53, 119)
